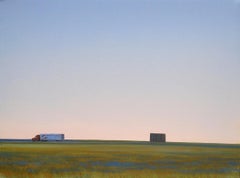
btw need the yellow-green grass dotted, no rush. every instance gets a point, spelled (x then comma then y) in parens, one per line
(118, 159)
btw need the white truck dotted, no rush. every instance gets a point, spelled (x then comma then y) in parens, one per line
(48, 137)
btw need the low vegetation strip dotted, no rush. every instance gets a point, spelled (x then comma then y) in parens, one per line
(118, 159)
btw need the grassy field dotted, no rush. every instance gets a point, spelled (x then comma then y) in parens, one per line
(118, 159)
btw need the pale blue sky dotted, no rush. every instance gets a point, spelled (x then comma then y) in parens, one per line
(118, 69)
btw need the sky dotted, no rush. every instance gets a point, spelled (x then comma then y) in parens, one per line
(121, 69)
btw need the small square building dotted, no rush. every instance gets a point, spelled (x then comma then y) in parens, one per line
(157, 137)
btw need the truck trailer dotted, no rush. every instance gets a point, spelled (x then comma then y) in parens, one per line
(48, 137)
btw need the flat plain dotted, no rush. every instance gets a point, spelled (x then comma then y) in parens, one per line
(92, 158)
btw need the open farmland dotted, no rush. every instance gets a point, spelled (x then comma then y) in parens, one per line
(118, 159)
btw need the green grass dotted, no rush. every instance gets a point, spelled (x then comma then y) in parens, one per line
(118, 159)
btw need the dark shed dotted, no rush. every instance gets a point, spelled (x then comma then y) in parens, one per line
(157, 137)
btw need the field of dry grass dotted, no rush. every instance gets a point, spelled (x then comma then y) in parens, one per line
(118, 159)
